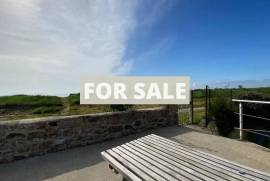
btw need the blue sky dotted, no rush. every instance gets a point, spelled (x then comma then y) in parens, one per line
(47, 45)
(210, 40)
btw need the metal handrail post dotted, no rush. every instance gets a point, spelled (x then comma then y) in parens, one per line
(241, 120)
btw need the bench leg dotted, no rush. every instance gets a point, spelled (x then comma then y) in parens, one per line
(110, 167)
(115, 171)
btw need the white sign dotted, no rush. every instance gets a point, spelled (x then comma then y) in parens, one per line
(134, 90)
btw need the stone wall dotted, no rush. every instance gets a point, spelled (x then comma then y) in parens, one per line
(31, 137)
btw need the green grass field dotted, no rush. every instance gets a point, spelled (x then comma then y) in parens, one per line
(31, 101)
(198, 115)
(27, 106)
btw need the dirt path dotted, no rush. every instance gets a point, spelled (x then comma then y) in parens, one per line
(66, 106)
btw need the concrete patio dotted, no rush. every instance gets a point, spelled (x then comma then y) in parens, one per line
(85, 163)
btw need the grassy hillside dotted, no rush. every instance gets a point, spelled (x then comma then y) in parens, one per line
(26, 106)
(31, 101)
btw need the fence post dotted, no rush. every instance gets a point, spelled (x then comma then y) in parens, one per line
(231, 94)
(206, 106)
(209, 98)
(240, 120)
(191, 107)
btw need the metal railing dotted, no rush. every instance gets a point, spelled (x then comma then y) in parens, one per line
(241, 114)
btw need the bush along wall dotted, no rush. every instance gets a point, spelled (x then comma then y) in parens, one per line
(222, 116)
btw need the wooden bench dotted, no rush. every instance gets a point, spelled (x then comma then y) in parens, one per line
(156, 158)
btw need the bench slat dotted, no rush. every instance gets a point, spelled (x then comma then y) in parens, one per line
(161, 164)
(180, 163)
(248, 173)
(153, 175)
(150, 164)
(156, 158)
(172, 164)
(230, 164)
(198, 159)
(194, 161)
(130, 166)
(119, 167)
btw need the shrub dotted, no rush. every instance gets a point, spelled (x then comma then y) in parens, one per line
(29, 101)
(220, 112)
(47, 110)
(118, 107)
(74, 99)
(256, 109)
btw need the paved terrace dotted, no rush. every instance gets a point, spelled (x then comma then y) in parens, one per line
(85, 163)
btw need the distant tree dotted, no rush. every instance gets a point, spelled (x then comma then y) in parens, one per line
(240, 87)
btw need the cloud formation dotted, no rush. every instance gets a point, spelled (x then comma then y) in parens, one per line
(46, 45)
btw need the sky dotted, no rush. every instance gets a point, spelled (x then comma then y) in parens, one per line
(47, 45)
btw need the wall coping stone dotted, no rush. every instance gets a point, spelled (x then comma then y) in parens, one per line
(59, 118)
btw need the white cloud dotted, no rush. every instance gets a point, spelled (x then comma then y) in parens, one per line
(156, 11)
(46, 45)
